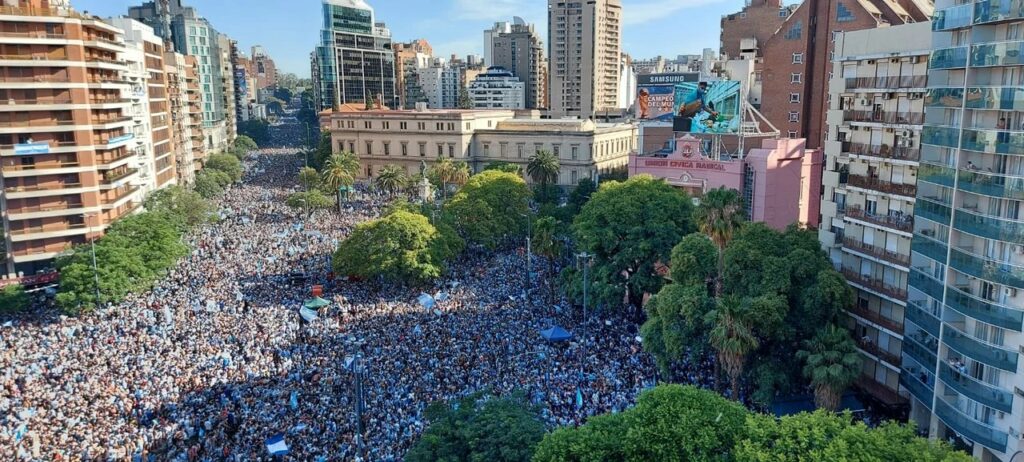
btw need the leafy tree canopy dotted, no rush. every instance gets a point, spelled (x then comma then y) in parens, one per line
(507, 167)
(490, 208)
(226, 163)
(257, 130)
(245, 143)
(402, 247)
(313, 200)
(187, 207)
(13, 298)
(208, 183)
(480, 428)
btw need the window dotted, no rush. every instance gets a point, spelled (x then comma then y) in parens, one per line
(369, 148)
(794, 97)
(440, 150)
(387, 148)
(503, 148)
(403, 125)
(440, 126)
(783, 13)
(487, 150)
(574, 152)
(794, 116)
(468, 126)
(423, 149)
(386, 125)
(405, 149)
(519, 150)
(451, 150)
(367, 125)
(843, 14)
(796, 31)
(351, 146)
(451, 127)
(796, 77)
(557, 150)
(835, 34)
(798, 58)
(574, 178)
(792, 133)
(421, 126)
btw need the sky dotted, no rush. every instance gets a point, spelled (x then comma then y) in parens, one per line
(289, 29)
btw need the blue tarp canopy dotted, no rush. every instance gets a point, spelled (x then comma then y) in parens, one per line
(555, 334)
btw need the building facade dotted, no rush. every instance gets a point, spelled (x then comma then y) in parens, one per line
(408, 58)
(585, 50)
(478, 137)
(181, 117)
(489, 36)
(263, 68)
(66, 140)
(967, 260)
(793, 47)
(439, 83)
(354, 61)
(521, 52)
(497, 89)
(875, 120)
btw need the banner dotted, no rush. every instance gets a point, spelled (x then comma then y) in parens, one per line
(708, 107)
(655, 102)
(276, 445)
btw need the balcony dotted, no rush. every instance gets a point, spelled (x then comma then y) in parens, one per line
(881, 392)
(901, 222)
(987, 11)
(881, 253)
(992, 184)
(937, 174)
(973, 348)
(997, 54)
(948, 58)
(995, 141)
(921, 348)
(916, 313)
(39, 34)
(984, 268)
(112, 177)
(954, 17)
(876, 184)
(971, 429)
(941, 136)
(930, 248)
(926, 284)
(883, 151)
(21, 213)
(967, 304)
(39, 101)
(886, 83)
(41, 232)
(930, 209)
(981, 392)
(875, 285)
(884, 117)
(921, 391)
(988, 227)
(877, 318)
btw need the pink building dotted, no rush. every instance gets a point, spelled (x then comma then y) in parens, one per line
(780, 182)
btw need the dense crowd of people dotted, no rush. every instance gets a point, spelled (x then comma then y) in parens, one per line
(216, 359)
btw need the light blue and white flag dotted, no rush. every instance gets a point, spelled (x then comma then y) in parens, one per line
(293, 401)
(425, 300)
(579, 399)
(276, 445)
(307, 314)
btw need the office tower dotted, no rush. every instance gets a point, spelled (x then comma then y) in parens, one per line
(497, 89)
(66, 140)
(489, 36)
(793, 48)
(150, 111)
(521, 52)
(871, 167)
(193, 35)
(264, 68)
(354, 61)
(408, 58)
(585, 40)
(967, 265)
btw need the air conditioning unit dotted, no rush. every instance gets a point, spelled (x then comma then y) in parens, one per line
(1011, 292)
(871, 61)
(890, 95)
(906, 133)
(914, 59)
(865, 102)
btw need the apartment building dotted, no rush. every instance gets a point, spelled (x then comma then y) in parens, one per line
(228, 50)
(66, 139)
(585, 49)
(185, 115)
(497, 89)
(440, 84)
(875, 117)
(408, 58)
(264, 68)
(478, 137)
(967, 260)
(521, 52)
(793, 48)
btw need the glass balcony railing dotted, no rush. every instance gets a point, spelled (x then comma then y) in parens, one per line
(987, 227)
(929, 248)
(992, 184)
(922, 392)
(917, 314)
(985, 311)
(989, 270)
(932, 210)
(945, 97)
(970, 428)
(940, 136)
(973, 348)
(948, 58)
(991, 141)
(917, 347)
(936, 174)
(997, 54)
(997, 10)
(983, 393)
(926, 284)
(953, 17)
(999, 98)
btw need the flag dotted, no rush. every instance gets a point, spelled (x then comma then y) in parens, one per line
(276, 445)
(20, 432)
(579, 398)
(307, 314)
(293, 401)
(425, 300)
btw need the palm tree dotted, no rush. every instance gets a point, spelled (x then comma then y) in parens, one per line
(461, 173)
(391, 179)
(719, 216)
(340, 170)
(443, 172)
(732, 336)
(832, 363)
(546, 244)
(543, 167)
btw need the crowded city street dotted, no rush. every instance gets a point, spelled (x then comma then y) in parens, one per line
(216, 358)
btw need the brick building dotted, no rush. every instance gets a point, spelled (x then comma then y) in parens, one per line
(794, 60)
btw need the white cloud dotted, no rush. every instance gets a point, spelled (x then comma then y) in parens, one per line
(499, 10)
(638, 12)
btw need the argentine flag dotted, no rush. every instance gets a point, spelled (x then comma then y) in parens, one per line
(276, 445)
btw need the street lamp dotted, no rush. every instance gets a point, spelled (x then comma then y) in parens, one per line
(355, 364)
(529, 251)
(95, 271)
(585, 259)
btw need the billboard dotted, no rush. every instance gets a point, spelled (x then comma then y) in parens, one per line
(656, 94)
(707, 107)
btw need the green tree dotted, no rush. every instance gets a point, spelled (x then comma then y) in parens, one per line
(719, 215)
(207, 185)
(461, 173)
(546, 243)
(13, 298)
(543, 168)
(581, 194)
(399, 248)
(489, 208)
(670, 423)
(502, 166)
(309, 178)
(821, 436)
(832, 363)
(323, 151)
(629, 227)
(226, 163)
(441, 174)
(245, 143)
(340, 170)
(732, 336)
(480, 428)
(256, 130)
(675, 322)
(309, 200)
(188, 208)
(391, 179)
(465, 102)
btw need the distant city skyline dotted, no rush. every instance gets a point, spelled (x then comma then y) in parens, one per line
(289, 30)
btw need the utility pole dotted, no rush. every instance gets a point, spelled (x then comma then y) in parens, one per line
(95, 269)
(529, 252)
(585, 259)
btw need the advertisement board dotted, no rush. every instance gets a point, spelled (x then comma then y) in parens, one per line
(656, 94)
(707, 107)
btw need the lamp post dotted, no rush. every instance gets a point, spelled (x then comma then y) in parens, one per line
(95, 271)
(585, 259)
(356, 366)
(529, 251)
